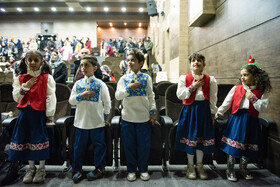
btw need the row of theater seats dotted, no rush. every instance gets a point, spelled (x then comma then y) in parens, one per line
(163, 134)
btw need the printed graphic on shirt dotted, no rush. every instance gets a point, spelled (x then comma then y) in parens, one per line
(94, 85)
(142, 78)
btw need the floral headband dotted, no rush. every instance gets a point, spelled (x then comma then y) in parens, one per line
(251, 62)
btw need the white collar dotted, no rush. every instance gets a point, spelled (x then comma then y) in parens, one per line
(248, 88)
(197, 77)
(34, 73)
(89, 79)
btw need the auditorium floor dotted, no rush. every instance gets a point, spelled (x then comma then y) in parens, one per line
(175, 177)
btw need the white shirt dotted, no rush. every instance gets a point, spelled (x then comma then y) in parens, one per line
(90, 113)
(51, 98)
(136, 108)
(183, 91)
(261, 105)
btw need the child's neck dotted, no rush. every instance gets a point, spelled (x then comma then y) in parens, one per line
(197, 72)
(136, 71)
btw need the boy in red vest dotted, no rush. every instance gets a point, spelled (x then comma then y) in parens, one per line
(195, 132)
(242, 137)
(34, 90)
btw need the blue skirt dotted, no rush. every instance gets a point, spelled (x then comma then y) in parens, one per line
(195, 129)
(30, 140)
(242, 136)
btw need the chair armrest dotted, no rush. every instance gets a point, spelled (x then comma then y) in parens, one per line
(162, 111)
(116, 121)
(166, 121)
(266, 122)
(64, 121)
(9, 122)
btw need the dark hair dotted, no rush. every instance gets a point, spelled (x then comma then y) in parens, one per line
(91, 59)
(262, 81)
(137, 54)
(196, 56)
(46, 69)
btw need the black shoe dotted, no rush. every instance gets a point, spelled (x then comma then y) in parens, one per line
(77, 176)
(96, 174)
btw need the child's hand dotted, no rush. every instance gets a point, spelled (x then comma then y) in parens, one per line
(87, 94)
(198, 83)
(30, 83)
(249, 94)
(134, 85)
(153, 119)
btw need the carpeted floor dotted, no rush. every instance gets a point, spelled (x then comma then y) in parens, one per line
(175, 176)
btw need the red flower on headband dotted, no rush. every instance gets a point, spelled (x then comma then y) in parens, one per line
(251, 60)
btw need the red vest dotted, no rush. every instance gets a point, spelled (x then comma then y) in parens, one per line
(237, 98)
(205, 89)
(37, 95)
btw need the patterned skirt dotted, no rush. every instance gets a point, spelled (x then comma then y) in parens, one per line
(30, 139)
(195, 129)
(242, 136)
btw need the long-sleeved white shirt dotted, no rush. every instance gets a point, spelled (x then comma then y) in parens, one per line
(51, 98)
(184, 93)
(261, 105)
(138, 104)
(90, 111)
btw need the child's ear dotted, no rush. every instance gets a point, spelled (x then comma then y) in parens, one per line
(94, 68)
(141, 63)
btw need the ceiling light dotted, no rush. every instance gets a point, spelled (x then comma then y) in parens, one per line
(71, 9)
(88, 9)
(141, 9)
(140, 24)
(123, 9)
(106, 9)
(125, 23)
(53, 9)
(111, 24)
(19, 9)
(36, 9)
(3, 10)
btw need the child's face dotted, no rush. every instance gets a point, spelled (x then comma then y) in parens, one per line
(33, 62)
(87, 68)
(134, 64)
(197, 65)
(247, 78)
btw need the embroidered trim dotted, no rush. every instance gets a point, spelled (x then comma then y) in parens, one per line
(253, 99)
(191, 88)
(22, 91)
(153, 112)
(238, 145)
(193, 143)
(32, 147)
(142, 78)
(94, 85)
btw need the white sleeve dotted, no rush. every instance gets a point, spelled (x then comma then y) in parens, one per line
(121, 91)
(73, 97)
(16, 90)
(227, 102)
(51, 97)
(213, 95)
(182, 90)
(262, 104)
(151, 95)
(105, 98)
